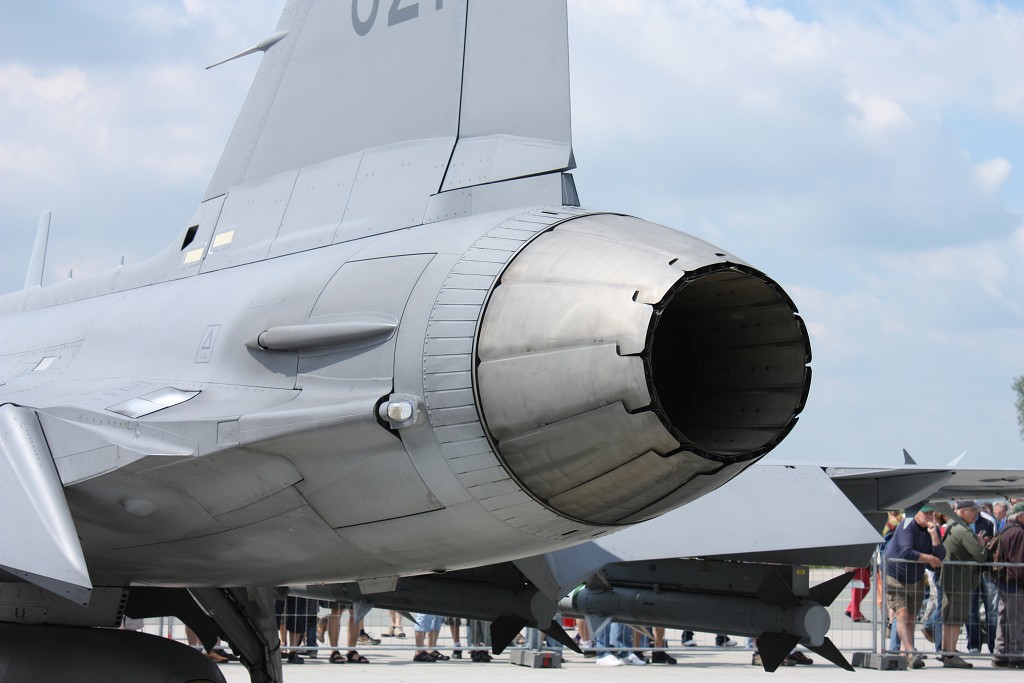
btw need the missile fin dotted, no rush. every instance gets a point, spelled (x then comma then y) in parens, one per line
(774, 648)
(503, 631)
(776, 592)
(596, 622)
(825, 593)
(829, 651)
(598, 582)
(360, 608)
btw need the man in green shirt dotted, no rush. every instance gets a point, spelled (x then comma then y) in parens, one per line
(958, 580)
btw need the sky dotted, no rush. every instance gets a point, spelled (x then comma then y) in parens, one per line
(868, 156)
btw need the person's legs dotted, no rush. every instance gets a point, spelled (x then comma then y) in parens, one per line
(334, 624)
(1010, 638)
(905, 628)
(904, 601)
(603, 640)
(950, 634)
(311, 614)
(974, 622)
(990, 595)
(932, 626)
(455, 625)
(617, 638)
(420, 635)
(193, 639)
(661, 656)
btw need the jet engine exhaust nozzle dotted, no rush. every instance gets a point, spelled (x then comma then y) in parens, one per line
(625, 368)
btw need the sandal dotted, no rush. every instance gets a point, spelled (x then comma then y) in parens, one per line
(356, 658)
(337, 658)
(423, 657)
(438, 657)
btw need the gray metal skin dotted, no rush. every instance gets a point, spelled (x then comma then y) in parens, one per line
(387, 343)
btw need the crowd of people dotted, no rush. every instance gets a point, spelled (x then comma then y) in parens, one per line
(945, 572)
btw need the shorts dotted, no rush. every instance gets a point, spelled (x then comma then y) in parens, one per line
(956, 608)
(295, 617)
(426, 623)
(904, 596)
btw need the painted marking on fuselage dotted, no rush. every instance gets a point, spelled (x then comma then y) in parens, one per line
(209, 340)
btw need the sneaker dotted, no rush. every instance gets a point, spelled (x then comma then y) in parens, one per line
(916, 661)
(456, 654)
(975, 651)
(955, 662)
(399, 633)
(690, 642)
(631, 658)
(756, 659)
(728, 642)
(294, 658)
(388, 632)
(608, 659)
(662, 657)
(1001, 663)
(367, 639)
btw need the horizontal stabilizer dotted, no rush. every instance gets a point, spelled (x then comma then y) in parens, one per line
(38, 540)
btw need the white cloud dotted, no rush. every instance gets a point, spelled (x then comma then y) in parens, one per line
(825, 131)
(993, 173)
(878, 113)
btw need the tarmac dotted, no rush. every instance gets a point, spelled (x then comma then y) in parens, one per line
(713, 664)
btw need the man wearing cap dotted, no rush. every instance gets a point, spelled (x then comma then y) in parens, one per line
(914, 544)
(1010, 631)
(960, 580)
(985, 592)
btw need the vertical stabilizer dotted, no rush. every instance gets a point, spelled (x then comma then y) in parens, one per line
(34, 276)
(514, 120)
(348, 76)
(475, 91)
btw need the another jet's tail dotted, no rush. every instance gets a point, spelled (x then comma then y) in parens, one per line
(436, 95)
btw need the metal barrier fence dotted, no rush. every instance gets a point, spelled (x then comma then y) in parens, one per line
(866, 597)
(987, 620)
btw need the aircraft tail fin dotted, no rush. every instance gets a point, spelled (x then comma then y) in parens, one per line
(435, 94)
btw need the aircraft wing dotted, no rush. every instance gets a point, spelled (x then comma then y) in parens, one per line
(770, 513)
(895, 488)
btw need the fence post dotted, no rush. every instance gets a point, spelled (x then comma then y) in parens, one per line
(875, 563)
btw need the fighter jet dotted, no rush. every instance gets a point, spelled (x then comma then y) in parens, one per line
(388, 342)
